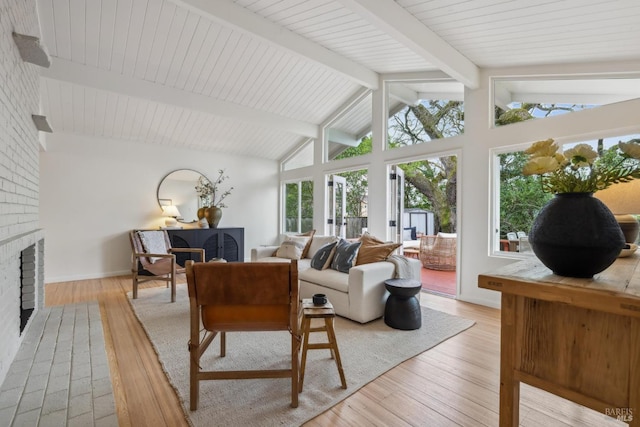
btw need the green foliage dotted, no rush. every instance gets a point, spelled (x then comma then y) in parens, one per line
(306, 206)
(521, 197)
(357, 182)
(363, 148)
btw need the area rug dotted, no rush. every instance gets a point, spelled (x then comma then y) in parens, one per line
(367, 351)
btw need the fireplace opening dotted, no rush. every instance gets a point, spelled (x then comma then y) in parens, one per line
(27, 285)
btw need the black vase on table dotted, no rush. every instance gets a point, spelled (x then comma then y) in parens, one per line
(576, 235)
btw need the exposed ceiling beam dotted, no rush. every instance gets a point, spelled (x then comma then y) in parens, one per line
(240, 18)
(449, 96)
(341, 137)
(394, 20)
(404, 94)
(83, 75)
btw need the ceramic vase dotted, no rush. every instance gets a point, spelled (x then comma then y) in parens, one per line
(201, 212)
(576, 235)
(213, 215)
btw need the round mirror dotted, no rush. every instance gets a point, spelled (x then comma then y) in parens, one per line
(178, 188)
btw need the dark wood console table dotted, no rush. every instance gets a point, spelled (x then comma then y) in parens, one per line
(227, 243)
(575, 338)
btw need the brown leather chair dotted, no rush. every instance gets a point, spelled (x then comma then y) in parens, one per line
(229, 297)
(161, 265)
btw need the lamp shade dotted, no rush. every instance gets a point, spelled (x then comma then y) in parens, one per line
(170, 210)
(624, 201)
(623, 198)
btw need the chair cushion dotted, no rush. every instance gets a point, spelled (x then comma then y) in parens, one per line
(345, 255)
(153, 242)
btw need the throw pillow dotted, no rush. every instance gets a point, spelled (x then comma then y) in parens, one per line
(368, 239)
(409, 233)
(319, 241)
(375, 253)
(322, 258)
(345, 255)
(292, 247)
(309, 234)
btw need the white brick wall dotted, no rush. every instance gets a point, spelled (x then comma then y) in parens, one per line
(19, 169)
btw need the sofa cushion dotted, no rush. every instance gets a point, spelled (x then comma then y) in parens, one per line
(345, 255)
(327, 278)
(319, 241)
(303, 264)
(375, 252)
(323, 257)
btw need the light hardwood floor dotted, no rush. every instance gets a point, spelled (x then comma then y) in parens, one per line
(455, 383)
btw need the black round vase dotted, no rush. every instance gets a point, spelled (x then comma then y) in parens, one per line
(576, 235)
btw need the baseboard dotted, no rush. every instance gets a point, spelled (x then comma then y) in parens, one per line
(72, 278)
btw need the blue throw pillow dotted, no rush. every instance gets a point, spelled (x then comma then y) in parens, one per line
(322, 258)
(346, 254)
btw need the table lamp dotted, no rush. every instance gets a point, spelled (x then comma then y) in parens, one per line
(623, 200)
(171, 212)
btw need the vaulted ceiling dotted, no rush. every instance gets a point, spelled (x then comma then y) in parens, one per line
(257, 77)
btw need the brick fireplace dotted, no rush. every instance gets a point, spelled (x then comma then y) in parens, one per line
(21, 290)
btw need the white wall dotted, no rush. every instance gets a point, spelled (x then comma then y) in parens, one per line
(93, 191)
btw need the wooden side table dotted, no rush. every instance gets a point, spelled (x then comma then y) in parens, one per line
(326, 312)
(402, 309)
(575, 338)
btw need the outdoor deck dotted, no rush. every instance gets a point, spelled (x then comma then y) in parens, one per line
(439, 282)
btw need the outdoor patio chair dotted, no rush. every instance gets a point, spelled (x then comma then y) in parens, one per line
(439, 252)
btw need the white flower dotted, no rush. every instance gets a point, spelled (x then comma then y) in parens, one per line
(581, 155)
(545, 148)
(540, 165)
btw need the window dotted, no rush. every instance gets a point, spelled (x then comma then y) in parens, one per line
(300, 158)
(525, 99)
(348, 203)
(298, 207)
(422, 112)
(348, 130)
(519, 198)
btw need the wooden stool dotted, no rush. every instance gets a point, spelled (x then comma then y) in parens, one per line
(326, 312)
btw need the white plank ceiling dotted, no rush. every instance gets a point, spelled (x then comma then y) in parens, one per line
(257, 77)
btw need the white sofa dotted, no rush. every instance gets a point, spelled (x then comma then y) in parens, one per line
(359, 295)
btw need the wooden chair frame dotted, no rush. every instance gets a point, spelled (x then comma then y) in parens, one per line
(227, 297)
(164, 269)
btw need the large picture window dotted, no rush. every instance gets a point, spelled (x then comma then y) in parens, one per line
(519, 198)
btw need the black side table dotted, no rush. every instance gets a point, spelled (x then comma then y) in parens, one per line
(402, 310)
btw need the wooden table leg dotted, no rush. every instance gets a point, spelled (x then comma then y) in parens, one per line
(634, 375)
(509, 386)
(331, 334)
(306, 323)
